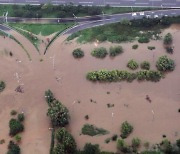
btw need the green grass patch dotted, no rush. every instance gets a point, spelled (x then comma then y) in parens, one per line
(43, 29)
(92, 130)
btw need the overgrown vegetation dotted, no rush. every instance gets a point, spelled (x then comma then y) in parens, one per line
(66, 142)
(2, 86)
(126, 129)
(168, 39)
(15, 127)
(13, 148)
(61, 11)
(92, 130)
(165, 64)
(78, 53)
(120, 75)
(137, 29)
(135, 46)
(99, 52)
(114, 51)
(145, 65)
(132, 64)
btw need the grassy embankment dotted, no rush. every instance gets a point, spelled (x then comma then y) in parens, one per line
(64, 11)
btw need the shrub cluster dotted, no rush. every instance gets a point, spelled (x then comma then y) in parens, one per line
(135, 46)
(99, 52)
(78, 53)
(116, 75)
(58, 113)
(126, 129)
(114, 51)
(66, 142)
(143, 39)
(132, 64)
(145, 65)
(13, 148)
(169, 49)
(92, 130)
(165, 64)
(2, 86)
(168, 39)
(15, 127)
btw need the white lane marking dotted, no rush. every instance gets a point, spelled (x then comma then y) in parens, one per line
(141, 3)
(129, 0)
(168, 4)
(30, 1)
(115, 3)
(155, 0)
(6, 0)
(86, 2)
(58, 1)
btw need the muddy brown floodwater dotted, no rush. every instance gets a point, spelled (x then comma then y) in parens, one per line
(150, 120)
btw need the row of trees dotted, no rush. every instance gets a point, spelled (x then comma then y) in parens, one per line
(59, 116)
(60, 11)
(102, 52)
(120, 75)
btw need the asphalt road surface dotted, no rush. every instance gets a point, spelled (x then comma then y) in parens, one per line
(114, 3)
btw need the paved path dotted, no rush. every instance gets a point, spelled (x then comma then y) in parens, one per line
(114, 3)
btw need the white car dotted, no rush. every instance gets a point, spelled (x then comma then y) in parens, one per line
(134, 14)
(141, 13)
(148, 16)
(156, 16)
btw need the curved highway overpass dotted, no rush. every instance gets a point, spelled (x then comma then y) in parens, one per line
(114, 3)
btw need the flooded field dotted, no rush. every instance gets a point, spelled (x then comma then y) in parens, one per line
(150, 120)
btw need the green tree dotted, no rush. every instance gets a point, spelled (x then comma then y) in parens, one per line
(21, 117)
(114, 51)
(15, 127)
(99, 52)
(91, 149)
(132, 64)
(122, 146)
(67, 140)
(59, 149)
(49, 97)
(13, 148)
(78, 53)
(145, 65)
(165, 64)
(58, 113)
(2, 86)
(168, 39)
(126, 129)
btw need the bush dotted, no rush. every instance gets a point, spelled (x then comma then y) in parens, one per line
(78, 53)
(114, 137)
(2, 86)
(165, 64)
(59, 149)
(13, 148)
(169, 49)
(151, 47)
(126, 129)
(168, 39)
(178, 143)
(15, 127)
(91, 148)
(135, 46)
(21, 117)
(59, 114)
(132, 64)
(99, 52)
(114, 51)
(13, 112)
(136, 143)
(92, 130)
(145, 65)
(17, 138)
(122, 146)
(166, 146)
(49, 97)
(149, 75)
(67, 140)
(143, 39)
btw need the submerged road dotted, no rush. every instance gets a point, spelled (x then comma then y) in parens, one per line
(114, 3)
